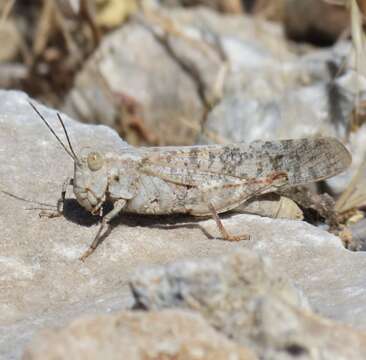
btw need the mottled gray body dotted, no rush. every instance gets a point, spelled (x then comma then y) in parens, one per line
(167, 180)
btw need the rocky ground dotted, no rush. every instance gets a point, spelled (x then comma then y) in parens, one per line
(45, 285)
(169, 287)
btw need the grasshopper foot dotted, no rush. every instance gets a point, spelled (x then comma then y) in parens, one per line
(86, 254)
(95, 243)
(228, 237)
(50, 214)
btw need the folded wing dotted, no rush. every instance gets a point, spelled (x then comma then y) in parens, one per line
(303, 160)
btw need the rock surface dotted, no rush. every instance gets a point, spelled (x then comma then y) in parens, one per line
(170, 334)
(43, 283)
(120, 86)
(242, 296)
(204, 53)
(218, 288)
(211, 58)
(322, 109)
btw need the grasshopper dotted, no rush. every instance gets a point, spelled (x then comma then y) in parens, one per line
(197, 180)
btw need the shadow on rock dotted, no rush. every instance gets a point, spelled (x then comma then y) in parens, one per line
(75, 213)
(163, 222)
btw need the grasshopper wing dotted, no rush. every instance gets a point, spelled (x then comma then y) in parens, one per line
(303, 160)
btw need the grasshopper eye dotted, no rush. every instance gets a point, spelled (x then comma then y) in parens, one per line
(95, 161)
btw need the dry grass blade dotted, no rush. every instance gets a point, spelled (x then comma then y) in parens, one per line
(355, 195)
(337, 2)
(358, 37)
(6, 10)
(44, 28)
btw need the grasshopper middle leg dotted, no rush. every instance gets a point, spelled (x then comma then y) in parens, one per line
(244, 191)
(225, 235)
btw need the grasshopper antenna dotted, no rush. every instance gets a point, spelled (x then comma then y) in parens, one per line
(66, 134)
(27, 200)
(71, 153)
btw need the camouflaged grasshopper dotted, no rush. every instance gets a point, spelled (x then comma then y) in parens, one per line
(196, 180)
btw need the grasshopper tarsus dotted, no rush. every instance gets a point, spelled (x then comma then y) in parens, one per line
(96, 241)
(237, 237)
(51, 214)
(86, 254)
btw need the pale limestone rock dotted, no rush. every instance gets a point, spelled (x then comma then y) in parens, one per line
(137, 80)
(44, 285)
(216, 287)
(242, 296)
(169, 334)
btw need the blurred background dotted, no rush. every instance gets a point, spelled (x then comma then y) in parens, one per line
(154, 70)
(181, 72)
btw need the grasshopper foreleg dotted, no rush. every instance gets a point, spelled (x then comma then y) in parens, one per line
(60, 202)
(117, 207)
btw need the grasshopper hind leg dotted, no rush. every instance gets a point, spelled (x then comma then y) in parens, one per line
(117, 207)
(224, 233)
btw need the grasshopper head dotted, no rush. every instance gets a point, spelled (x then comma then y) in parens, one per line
(90, 178)
(91, 181)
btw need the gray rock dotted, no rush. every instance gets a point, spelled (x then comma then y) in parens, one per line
(207, 55)
(239, 295)
(359, 234)
(257, 57)
(170, 334)
(140, 74)
(281, 331)
(222, 289)
(266, 36)
(210, 57)
(322, 109)
(43, 283)
(242, 297)
(195, 49)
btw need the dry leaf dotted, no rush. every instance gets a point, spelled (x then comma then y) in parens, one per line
(111, 13)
